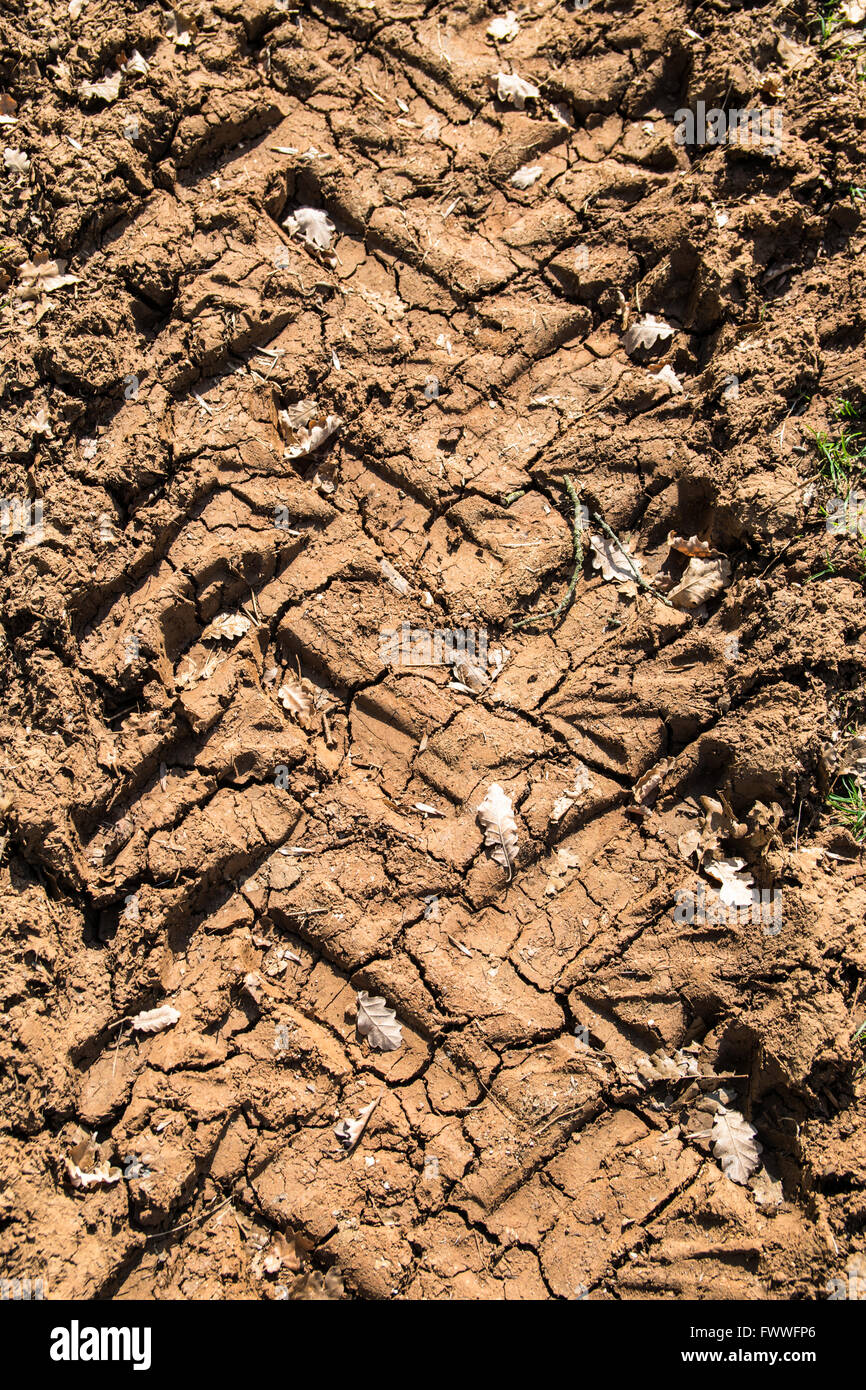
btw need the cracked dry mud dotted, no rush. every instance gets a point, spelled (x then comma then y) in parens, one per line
(173, 835)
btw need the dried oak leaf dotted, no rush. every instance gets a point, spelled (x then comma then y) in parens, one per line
(646, 333)
(703, 579)
(293, 697)
(736, 889)
(658, 1066)
(16, 160)
(107, 90)
(154, 1020)
(179, 29)
(646, 788)
(41, 276)
(496, 815)
(563, 861)
(228, 627)
(314, 226)
(615, 561)
(735, 1145)
(691, 546)
(315, 1287)
(82, 1168)
(377, 1023)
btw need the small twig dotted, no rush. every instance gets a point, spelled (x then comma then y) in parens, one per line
(577, 545)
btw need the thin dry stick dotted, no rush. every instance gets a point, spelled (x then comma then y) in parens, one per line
(639, 579)
(577, 544)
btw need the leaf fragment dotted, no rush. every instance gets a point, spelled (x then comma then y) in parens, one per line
(107, 90)
(314, 226)
(16, 160)
(513, 90)
(42, 276)
(349, 1132)
(504, 28)
(527, 176)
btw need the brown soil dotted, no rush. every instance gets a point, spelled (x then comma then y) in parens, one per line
(173, 835)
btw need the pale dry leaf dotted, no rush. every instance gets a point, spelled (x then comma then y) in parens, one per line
(736, 889)
(74, 8)
(394, 577)
(791, 53)
(527, 176)
(390, 306)
(504, 28)
(581, 782)
(615, 561)
(669, 378)
(295, 699)
(702, 580)
(42, 276)
(307, 440)
(40, 423)
(646, 788)
(136, 64)
(766, 1191)
(563, 861)
(178, 29)
(514, 90)
(853, 11)
(314, 1287)
(228, 627)
(689, 843)
(852, 759)
(691, 546)
(645, 333)
(102, 1175)
(301, 413)
(735, 1145)
(16, 160)
(470, 675)
(658, 1066)
(496, 815)
(314, 226)
(155, 1020)
(349, 1132)
(107, 90)
(377, 1023)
